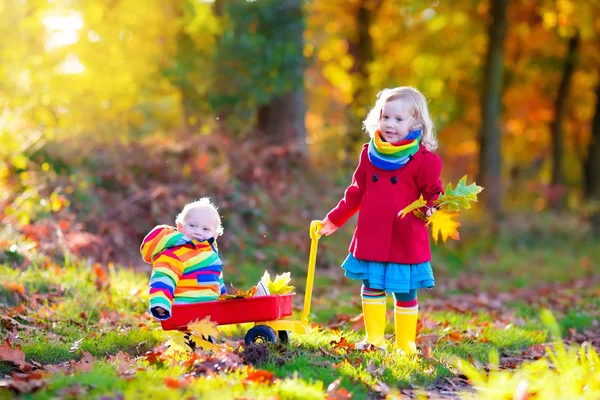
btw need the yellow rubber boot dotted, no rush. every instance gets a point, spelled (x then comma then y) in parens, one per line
(406, 329)
(375, 318)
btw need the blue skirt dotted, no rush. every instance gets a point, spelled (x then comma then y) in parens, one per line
(391, 277)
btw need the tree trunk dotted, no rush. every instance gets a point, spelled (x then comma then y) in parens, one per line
(591, 166)
(559, 113)
(283, 118)
(490, 165)
(360, 48)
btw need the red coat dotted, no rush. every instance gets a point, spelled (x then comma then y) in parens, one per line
(381, 235)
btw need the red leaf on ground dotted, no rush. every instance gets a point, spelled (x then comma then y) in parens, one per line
(427, 352)
(101, 281)
(85, 364)
(24, 383)
(260, 376)
(343, 343)
(175, 383)
(333, 393)
(153, 356)
(16, 355)
(15, 287)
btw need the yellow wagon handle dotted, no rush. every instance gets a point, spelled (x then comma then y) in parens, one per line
(315, 227)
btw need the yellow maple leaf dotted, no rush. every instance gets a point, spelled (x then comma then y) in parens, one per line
(205, 344)
(279, 285)
(415, 205)
(177, 343)
(204, 327)
(441, 222)
(200, 330)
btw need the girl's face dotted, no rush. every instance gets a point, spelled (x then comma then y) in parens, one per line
(200, 224)
(396, 121)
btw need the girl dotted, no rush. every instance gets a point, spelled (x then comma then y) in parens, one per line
(389, 253)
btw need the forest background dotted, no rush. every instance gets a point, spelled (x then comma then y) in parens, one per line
(114, 114)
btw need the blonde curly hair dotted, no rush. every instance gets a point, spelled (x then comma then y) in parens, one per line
(203, 203)
(418, 108)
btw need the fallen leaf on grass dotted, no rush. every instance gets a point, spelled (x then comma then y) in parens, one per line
(24, 383)
(176, 383)
(342, 343)
(102, 281)
(474, 362)
(381, 388)
(204, 327)
(333, 393)
(153, 356)
(427, 352)
(375, 370)
(14, 287)
(260, 376)
(15, 356)
(75, 391)
(427, 340)
(86, 364)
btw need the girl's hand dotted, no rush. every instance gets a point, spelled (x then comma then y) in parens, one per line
(327, 227)
(430, 211)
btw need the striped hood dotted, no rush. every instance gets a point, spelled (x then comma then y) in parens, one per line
(161, 238)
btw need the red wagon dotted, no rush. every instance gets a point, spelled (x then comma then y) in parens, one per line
(269, 313)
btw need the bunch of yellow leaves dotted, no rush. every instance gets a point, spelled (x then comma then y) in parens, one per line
(239, 294)
(279, 285)
(198, 332)
(442, 222)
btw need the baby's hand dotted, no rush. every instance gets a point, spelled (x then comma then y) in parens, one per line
(327, 227)
(161, 312)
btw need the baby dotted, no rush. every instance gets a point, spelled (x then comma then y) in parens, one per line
(186, 267)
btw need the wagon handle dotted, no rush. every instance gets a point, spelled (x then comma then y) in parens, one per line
(315, 227)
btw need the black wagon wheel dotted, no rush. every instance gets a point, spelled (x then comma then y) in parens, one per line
(284, 336)
(261, 334)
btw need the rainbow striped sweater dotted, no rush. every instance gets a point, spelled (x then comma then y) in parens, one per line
(184, 271)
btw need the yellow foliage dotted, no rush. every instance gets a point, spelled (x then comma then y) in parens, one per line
(565, 373)
(420, 202)
(240, 294)
(441, 223)
(200, 330)
(279, 285)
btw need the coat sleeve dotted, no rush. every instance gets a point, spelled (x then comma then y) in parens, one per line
(428, 180)
(166, 272)
(350, 204)
(222, 287)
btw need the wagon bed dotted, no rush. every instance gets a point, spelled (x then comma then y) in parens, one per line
(236, 311)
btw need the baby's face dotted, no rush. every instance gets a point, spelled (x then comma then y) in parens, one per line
(200, 224)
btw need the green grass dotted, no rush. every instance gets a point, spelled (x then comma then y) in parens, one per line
(72, 315)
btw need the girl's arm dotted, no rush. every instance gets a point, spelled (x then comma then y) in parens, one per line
(166, 271)
(350, 204)
(428, 180)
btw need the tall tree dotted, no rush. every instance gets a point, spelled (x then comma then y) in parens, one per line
(490, 157)
(559, 114)
(591, 165)
(260, 66)
(282, 117)
(360, 48)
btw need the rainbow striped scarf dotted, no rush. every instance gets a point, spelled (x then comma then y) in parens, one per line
(388, 156)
